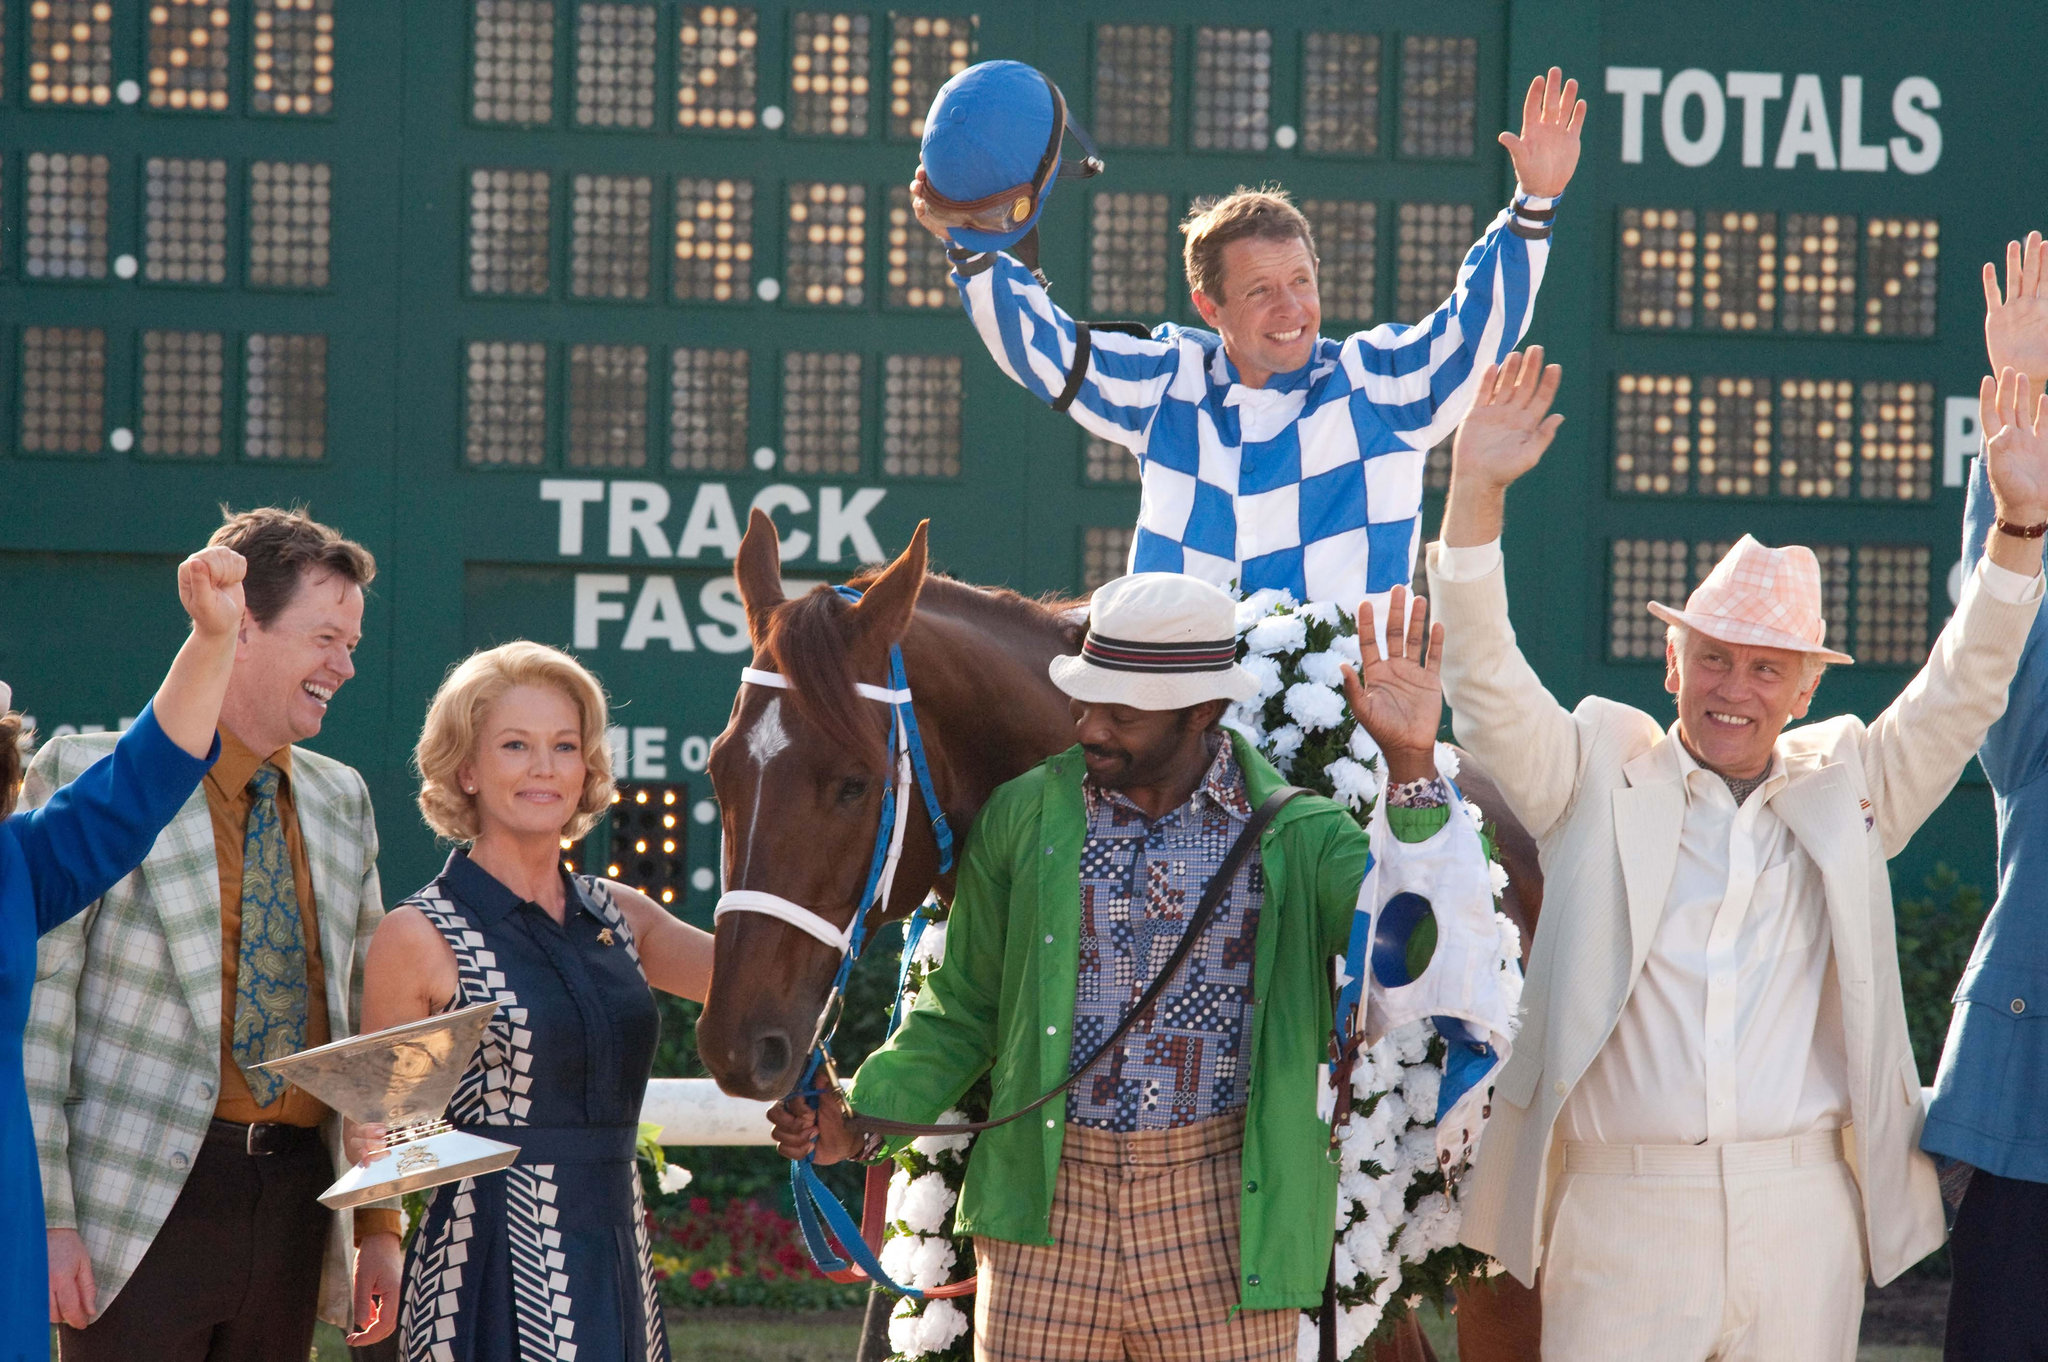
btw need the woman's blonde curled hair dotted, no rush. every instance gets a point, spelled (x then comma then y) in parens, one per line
(449, 737)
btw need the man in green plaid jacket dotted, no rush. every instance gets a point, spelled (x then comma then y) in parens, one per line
(179, 1188)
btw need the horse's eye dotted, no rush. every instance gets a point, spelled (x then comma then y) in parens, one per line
(852, 789)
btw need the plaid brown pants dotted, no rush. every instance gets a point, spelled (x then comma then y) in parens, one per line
(1144, 1259)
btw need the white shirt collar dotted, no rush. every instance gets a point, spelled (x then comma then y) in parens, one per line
(1774, 775)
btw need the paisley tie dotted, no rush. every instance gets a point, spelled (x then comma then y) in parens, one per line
(270, 987)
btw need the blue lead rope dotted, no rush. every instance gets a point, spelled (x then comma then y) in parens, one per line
(818, 1211)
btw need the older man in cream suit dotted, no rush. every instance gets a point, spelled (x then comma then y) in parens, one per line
(1707, 1137)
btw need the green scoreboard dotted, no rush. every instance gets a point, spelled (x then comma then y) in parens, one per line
(539, 297)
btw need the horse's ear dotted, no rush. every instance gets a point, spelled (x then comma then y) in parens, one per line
(885, 607)
(758, 570)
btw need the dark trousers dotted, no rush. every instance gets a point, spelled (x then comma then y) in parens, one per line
(234, 1274)
(1997, 1301)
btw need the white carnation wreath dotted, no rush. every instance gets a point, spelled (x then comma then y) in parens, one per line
(1396, 1218)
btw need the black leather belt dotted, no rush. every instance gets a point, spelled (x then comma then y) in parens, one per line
(263, 1137)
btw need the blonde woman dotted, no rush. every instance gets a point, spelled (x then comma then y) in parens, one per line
(554, 1249)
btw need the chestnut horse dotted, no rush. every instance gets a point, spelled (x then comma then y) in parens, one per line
(800, 774)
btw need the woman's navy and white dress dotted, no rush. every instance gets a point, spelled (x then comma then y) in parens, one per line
(549, 1258)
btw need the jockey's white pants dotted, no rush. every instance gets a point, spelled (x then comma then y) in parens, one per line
(1690, 1253)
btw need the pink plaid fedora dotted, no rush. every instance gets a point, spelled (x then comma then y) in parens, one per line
(1759, 598)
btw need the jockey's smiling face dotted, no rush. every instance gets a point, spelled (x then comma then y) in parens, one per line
(1270, 311)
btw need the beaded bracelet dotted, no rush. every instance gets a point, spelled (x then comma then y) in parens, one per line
(1427, 793)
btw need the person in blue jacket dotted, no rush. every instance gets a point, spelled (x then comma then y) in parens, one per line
(1989, 1115)
(57, 859)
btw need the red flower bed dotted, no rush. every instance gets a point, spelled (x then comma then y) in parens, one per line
(743, 1254)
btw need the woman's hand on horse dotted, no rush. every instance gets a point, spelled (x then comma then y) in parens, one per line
(821, 1132)
(1399, 697)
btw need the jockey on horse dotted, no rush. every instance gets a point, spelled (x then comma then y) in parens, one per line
(1343, 524)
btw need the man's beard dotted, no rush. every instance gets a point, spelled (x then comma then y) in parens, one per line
(1138, 768)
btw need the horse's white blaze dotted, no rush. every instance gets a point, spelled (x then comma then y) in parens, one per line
(765, 740)
(767, 737)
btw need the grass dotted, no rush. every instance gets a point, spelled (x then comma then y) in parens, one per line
(836, 1337)
(833, 1337)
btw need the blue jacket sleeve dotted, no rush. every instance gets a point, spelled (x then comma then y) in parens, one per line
(102, 825)
(1033, 341)
(2016, 748)
(1420, 380)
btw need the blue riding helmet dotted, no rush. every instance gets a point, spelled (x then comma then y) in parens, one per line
(991, 150)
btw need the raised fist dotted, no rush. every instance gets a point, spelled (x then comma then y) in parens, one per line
(210, 588)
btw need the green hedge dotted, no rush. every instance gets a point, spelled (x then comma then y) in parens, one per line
(1936, 933)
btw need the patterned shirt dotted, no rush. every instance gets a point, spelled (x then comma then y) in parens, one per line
(1140, 882)
(1312, 483)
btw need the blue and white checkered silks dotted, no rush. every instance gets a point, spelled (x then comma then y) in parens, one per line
(1311, 484)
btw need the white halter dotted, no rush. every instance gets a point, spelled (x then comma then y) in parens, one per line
(809, 920)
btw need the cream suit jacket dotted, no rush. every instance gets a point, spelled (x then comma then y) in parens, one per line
(1600, 789)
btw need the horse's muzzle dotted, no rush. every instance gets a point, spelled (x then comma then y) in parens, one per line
(755, 1060)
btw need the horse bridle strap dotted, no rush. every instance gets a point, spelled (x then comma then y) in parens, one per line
(1205, 911)
(805, 920)
(754, 676)
(889, 850)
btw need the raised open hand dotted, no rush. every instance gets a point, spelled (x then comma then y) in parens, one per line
(210, 588)
(1399, 697)
(1547, 151)
(2016, 325)
(1510, 424)
(2015, 423)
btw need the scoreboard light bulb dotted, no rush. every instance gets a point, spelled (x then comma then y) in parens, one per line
(640, 798)
(668, 820)
(641, 847)
(668, 796)
(612, 871)
(668, 848)
(668, 896)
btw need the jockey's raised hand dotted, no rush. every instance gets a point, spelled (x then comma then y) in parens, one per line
(1547, 151)
(1503, 437)
(1399, 696)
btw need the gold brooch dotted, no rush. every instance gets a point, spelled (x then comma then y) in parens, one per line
(604, 938)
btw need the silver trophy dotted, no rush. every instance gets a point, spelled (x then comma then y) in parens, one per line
(401, 1078)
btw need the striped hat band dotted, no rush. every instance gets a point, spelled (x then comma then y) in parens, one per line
(1128, 655)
